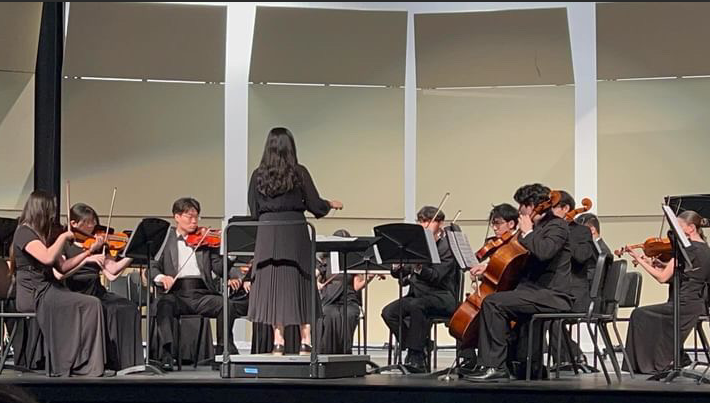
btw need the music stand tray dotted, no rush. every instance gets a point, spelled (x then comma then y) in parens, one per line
(404, 244)
(146, 243)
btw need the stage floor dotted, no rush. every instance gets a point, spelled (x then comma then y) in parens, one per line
(205, 385)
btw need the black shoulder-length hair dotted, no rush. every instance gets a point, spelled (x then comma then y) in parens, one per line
(277, 173)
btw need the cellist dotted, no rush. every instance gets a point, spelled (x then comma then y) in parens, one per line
(543, 288)
(502, 218)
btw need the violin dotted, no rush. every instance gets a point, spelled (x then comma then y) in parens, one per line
(657, 248)
(115, 241)
(203, 236)
(586, 206)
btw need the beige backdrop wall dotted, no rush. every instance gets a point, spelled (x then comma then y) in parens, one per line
(16, 141)
(155, 142)
(653, 142)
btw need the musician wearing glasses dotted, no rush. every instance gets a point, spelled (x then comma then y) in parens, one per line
(433, 290)
(543, 288)
(187, 277)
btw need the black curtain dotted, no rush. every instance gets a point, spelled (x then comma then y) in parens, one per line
(48, 93)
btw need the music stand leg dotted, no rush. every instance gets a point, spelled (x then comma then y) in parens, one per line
(147, 366)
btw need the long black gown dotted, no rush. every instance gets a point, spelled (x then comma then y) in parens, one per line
(331, 323)
(649, 341)
(281, 293)
(123, 321)
(72, 324)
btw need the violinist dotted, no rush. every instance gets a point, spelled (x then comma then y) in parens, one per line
(72, 324)
(543, 288)
(433, 290)
(186, 275)
(649, 341)
(122, 318)
(592, 222)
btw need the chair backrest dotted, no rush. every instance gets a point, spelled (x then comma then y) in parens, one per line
(612, 287)
(6, 279)
(631, 295)
(604, 261)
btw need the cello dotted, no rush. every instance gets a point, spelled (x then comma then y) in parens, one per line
(502, 274)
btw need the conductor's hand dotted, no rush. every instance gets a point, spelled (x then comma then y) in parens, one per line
(168, 282)
(336, 204)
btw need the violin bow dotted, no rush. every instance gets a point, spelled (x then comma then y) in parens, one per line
(108, 225)
(68, 209)
(438, 209)
(456, 217)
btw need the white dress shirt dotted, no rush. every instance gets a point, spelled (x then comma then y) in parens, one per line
(186, 260)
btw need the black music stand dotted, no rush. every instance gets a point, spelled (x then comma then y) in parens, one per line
(359, 244)
(404, 244)
(7, 231)
(365, 261)
(679, 243)
(146, 244)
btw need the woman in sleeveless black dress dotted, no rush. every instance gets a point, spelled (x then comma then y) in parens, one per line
(123, 321)
(72, 324)
(282, 190)
(649, 341)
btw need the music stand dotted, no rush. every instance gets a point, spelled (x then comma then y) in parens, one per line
(363, 261)
(404, 244)
(680, 243)
(7, 231)
(345, 246)
(146, 243)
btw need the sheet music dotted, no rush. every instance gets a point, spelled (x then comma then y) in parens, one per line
(431, 244)
(674, 223)
(461, 248)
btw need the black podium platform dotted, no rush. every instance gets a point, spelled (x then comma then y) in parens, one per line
(296, 366)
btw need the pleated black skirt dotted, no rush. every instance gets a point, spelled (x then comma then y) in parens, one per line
(282, 290)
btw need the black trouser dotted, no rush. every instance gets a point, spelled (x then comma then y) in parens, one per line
(581, 305)
(418, 309)
(499, 309)
(195, 302)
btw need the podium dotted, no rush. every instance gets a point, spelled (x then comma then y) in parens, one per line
(241, 235)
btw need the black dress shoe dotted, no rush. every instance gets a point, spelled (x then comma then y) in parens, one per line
(489, 374)
(166, 363)
(305, 349)
(417, 361)
(278, 349)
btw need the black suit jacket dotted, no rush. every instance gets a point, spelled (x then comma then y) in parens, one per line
(548, 265)
(209, 261)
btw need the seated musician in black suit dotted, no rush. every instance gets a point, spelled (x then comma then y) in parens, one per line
(583, 261)
(189, 280)
(543, 288)
(433, 290)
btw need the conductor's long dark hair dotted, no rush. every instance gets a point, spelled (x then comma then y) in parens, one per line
(277, 173)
